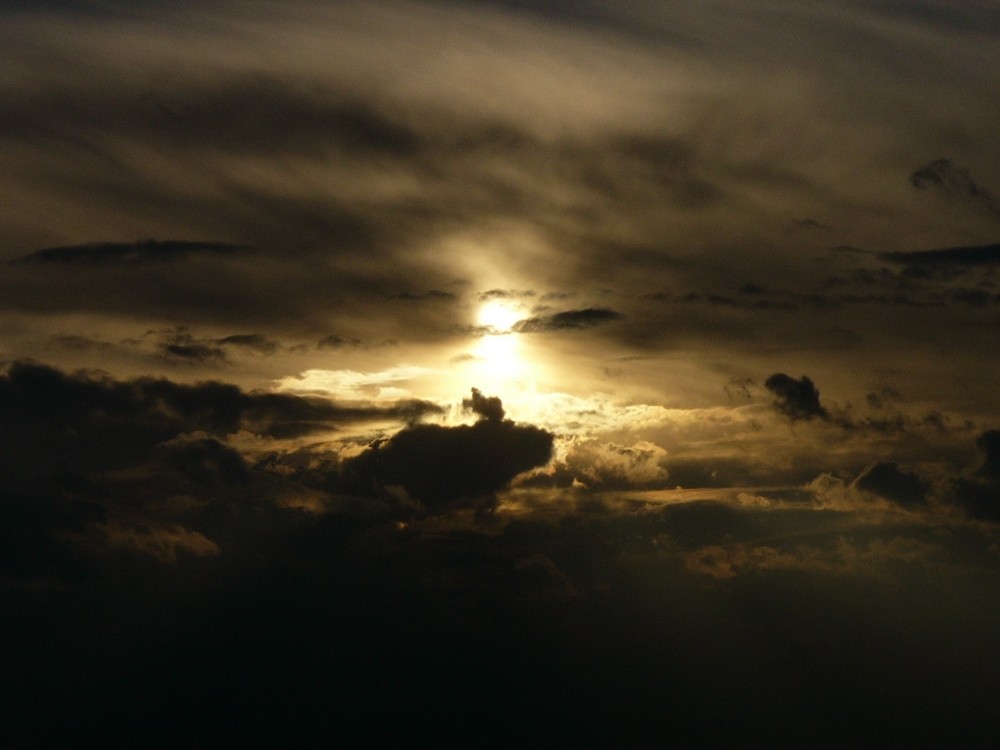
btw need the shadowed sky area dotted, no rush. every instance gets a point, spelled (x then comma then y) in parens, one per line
(499, 374)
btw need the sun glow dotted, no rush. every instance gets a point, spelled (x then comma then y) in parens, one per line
(498, 316)
(498, 353)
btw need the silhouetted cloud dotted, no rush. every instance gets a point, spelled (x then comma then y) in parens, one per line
(127, 254)
(181, 344)
(979, 255)
(989, 444)
(208, 461)
(796, 399)
(505, 294)
(448, 466)
(887, 479)
(191, 351)
(567, 320)
(102, 417)
(487, 407)
(979, 491)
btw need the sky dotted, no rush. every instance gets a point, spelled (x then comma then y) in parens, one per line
(507, 373)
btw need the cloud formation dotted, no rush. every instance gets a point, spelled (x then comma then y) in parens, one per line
(979, 491)
(887, 479)
(567, 320)
(443, 466)
(266, 498)
(796, 399)
(126, 254)
(954, 183)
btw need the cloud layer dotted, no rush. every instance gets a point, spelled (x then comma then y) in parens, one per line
(266, 476)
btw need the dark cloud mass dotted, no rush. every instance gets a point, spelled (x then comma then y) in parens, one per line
(887, 479)
(567, 320)
(121, 253)
(443, 465)
(44, 409)
(796, 399)
(487, 407)
(979, 491)
(982, 255)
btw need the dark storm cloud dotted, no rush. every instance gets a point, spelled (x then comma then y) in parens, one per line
(958, 257)
(954, 183)
(207, 461)
(989, 444)
(487, 407)
(126, 253)
(448, 466)
(567, 320)
(90, 465)
(979, 492)
(796, 399)
(102, 421)
(887, 479)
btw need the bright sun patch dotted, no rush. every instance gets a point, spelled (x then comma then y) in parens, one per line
(500, 366)
(498, 316)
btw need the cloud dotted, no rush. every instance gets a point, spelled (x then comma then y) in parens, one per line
(104, 421)
(364, 150)
(183, 346)
(959, 257)
(257, 342)
(979, 491)
(567, 320)
(955, 183)
(384, 385)
(840, 558)
(796, 399)
(207, 461)
(127, 253)
(597, 466)
(887, 479)
(445, 467)
(428, 296)
(487, 407)
(989, 444)
(164, 543)
(505, 294)
(180, 344)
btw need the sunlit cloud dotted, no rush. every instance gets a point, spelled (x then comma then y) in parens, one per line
(385, 385)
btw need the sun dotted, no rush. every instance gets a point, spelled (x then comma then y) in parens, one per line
(498, 316)
(500, 366)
